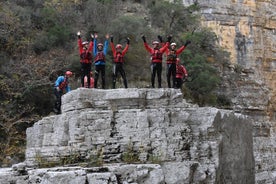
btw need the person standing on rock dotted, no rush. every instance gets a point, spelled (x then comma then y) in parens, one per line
(99, 59)
(118, 59)
(181, 74)
(61, 87)
(156, 59)
(172, 54)
(85, 51)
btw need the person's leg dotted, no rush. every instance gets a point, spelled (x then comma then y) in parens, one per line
(123, 74)
(181, 83)
(169, 73)
(177, 81)
(114, 75)
(88, 71)
(153, 73)
(159, 74)
(173, 74)
(97, 70)
(58, 95)
(82, 74)
(103, 76)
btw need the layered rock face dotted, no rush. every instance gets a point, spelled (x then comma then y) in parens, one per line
(247, 29)
(167, 139)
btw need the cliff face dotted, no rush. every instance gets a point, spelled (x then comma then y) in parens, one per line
(187, 143)
(247, 29)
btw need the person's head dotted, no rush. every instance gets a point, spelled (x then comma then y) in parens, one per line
(155, 44)
(173, 46)
(68, 74)
(85, 44)
(119, 47)
(100, 46)
(177, 61)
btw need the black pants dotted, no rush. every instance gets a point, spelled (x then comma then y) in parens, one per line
(156, 68)
(57, 105)
(99, 69)
(118, 68)
(85, 71)
(171, 72)
(178, 83)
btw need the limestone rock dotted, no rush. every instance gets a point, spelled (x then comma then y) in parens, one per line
(153, 125)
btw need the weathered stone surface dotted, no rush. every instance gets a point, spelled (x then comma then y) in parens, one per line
(156, 125)
(246, 29)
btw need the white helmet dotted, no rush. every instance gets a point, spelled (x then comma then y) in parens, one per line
(85, 42)
(173, 44)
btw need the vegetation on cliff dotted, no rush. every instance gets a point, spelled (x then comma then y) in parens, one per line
(38, 43)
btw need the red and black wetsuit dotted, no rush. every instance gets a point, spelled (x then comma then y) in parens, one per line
(156, 62)
(118, 59)
(181, 72)
(85, 61)
(171, 64)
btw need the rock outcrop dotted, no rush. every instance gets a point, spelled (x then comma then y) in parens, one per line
(247, 29)
(137, 136)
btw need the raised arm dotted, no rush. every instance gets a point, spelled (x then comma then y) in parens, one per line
(95, 49)
(91, 43)
(126, 48)
(112, 46)
(181, 49)
(79, 42)
(165, 47)
(146, 45)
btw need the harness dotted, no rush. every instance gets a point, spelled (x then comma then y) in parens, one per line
(119, 58)
(63, 84)
(156, 56)
(99, 57)
(86, 57)
(171, 57)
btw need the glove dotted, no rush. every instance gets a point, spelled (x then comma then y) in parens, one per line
(111, 38)
(92, 37)
(160, 38)
(78, 34)
(169, 38)
(127, 39)
(187, 43)
(144, 38)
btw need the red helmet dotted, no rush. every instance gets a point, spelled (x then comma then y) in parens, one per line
(68, 73)
(155, 42)
(118, 46)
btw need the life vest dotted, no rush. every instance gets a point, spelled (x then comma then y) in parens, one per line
(119, 58)
(86, 57)
(156, 56)
(171, 57)
(180, 71)
(63, 84)
(99, 57)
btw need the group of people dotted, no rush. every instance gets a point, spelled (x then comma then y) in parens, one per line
(175, 70)
(89, 50)
(99, 52)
